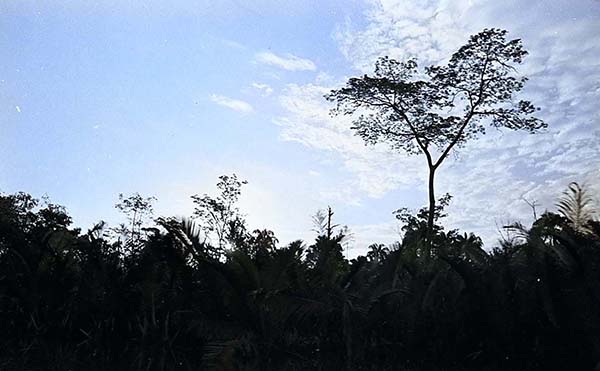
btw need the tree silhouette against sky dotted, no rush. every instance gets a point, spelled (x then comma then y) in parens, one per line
(438, 110)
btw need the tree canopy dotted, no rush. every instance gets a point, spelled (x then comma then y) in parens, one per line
(436, 111)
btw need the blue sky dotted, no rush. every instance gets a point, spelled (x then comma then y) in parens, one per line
(103, 97)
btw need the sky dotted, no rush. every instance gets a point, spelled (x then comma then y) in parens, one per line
(99, 98)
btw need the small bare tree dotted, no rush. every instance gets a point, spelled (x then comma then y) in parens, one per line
(220, 216)
(137, 209)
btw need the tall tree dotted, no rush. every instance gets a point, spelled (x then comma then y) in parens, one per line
(436, 111)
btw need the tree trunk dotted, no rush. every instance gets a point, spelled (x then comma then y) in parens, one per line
(431, 215)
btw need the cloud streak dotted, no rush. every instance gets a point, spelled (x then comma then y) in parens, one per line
(233, 104)
(287, 62)
(265, 89)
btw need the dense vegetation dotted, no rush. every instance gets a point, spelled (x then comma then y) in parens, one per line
(161, 296)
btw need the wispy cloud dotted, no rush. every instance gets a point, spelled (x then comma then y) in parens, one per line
(234, 104)
(288, 62)
(374, 170)
(265, 89)
(400, 29)
(233, 44)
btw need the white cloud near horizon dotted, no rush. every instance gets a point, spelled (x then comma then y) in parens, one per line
(288, 62)
(233, 104)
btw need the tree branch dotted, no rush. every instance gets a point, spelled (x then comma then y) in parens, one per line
(468, 118)
(423, 147)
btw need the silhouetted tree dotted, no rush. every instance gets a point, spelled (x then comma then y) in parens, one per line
(322, 222)
(137, 209)
(325, 227)
(220, 216)
(436, 111)
(377, 252)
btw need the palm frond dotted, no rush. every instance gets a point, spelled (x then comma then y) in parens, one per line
(576, 205)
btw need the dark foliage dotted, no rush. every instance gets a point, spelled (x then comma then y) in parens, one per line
(78, 301)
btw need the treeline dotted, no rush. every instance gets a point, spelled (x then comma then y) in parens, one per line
(162, 296)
